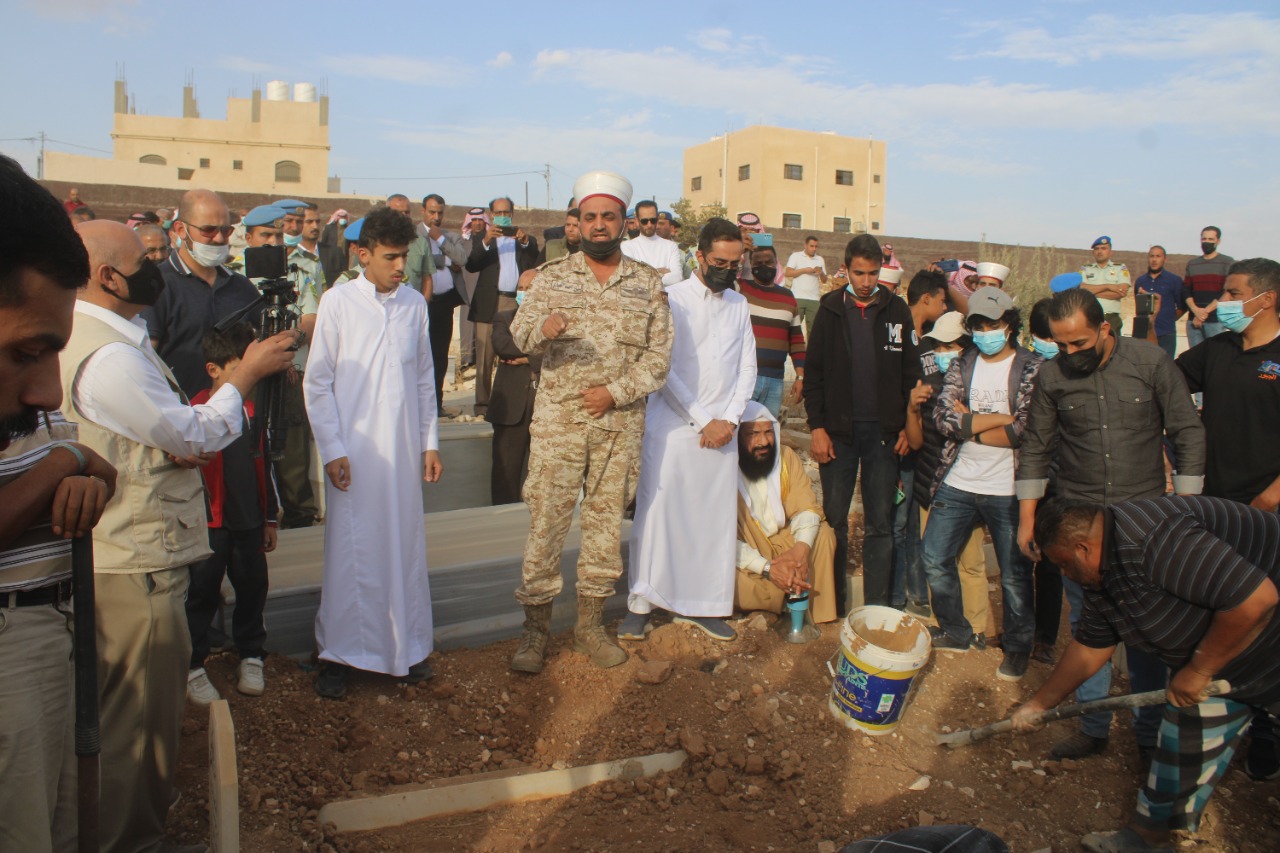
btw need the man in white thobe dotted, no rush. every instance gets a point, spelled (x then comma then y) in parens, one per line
(370, 392)
(647, 247)
(684, 540)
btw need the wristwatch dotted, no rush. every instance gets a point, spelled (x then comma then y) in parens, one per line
(764, 573)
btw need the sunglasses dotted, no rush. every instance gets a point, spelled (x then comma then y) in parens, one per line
(208, 231)
(648, 220)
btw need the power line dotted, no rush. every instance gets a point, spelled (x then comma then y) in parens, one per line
(57, 141)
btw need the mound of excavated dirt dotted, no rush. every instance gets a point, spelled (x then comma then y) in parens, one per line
(769, 768)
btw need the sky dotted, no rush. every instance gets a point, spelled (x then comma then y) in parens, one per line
(1025, 122)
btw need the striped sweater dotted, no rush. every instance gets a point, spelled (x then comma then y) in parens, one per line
(776, 322)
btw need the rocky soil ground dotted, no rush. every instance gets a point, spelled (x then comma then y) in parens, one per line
(768, 768)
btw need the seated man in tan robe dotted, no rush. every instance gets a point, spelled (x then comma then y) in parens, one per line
(784, 545)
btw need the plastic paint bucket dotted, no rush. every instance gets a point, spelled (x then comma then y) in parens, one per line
(881, 651)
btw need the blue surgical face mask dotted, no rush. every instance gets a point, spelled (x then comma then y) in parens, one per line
(991, 341)
(1231, 314)
(943, 359)
(1045, 349)
(292, 239)
(519, 297)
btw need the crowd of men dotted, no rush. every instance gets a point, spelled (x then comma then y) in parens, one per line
(621, 370)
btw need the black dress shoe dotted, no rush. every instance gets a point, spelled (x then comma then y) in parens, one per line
(332, 682)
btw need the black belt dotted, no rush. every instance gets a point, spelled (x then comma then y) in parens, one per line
(51, 594)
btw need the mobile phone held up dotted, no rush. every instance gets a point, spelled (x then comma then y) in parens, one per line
(504, 222)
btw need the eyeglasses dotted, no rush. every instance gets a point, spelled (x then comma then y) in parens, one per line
(648, 221)
(724, 265)
(208, 231)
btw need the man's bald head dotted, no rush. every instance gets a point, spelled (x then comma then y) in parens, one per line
(115, 250)
(204, 207)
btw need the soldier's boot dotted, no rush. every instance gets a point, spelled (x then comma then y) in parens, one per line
(589, 636)
(530, 655)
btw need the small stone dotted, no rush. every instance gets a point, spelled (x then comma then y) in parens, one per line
(383, 699)
(1070, 764)
(924, 819)
(826, 847)
(757, 690)
(693, 743)
(1022, 765)
(754, 765)
(717, 782)
(757, 622)
(968, 792)
(653, 671)
(920, 784)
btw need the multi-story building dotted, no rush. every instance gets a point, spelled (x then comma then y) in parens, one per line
(273, 145)
(791, 178)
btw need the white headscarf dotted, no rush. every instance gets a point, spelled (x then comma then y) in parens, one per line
(758, 412)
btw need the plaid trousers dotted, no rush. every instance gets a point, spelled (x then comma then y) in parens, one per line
(1195, 746)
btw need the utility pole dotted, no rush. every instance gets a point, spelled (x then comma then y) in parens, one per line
(40, 159)
(547, 174)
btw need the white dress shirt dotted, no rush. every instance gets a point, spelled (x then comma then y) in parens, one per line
(657, 253)
(120, 389)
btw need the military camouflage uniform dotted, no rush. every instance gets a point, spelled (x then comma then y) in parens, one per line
(1112, 273)
(619, 336)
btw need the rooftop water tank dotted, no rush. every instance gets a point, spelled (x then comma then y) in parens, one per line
(304, 92)
(278, 90)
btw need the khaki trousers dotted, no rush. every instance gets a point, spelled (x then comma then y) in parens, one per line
(565, 460)
(972, 564)
(143, 652)
(37, 729)
(753, 592)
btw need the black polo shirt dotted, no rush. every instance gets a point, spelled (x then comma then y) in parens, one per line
(186, 310)
(1241, 413)
(1170, 564)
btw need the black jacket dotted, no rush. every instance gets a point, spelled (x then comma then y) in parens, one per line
(828, 388)
(511, 401)
(484, 299)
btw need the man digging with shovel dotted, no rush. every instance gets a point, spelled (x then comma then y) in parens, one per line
(1192, 580)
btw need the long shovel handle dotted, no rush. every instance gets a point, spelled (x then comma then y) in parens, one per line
(87, 736)
(1065, 712)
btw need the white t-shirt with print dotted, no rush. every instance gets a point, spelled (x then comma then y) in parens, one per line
(981, 469)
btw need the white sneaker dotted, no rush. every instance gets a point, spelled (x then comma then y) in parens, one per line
(252, 682)
(199, 688)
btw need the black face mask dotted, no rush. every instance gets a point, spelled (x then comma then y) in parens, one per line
(1083, 363)
(1208, 248)
(600, 250)
(145, 285)
(764, 273)
(719, 279)
(633, 233)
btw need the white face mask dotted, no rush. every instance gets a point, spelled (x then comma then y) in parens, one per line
(208, 254)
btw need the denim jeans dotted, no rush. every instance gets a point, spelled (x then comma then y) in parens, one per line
(768, 393)
(879, 482)
(951, 519)
(909, 583)
(1211, 329)
(1146, 672)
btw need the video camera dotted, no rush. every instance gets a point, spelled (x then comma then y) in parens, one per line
(268, 268)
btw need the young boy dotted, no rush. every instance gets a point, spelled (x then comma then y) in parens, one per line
(242, 529)
(370, 391)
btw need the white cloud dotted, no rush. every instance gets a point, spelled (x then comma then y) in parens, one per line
(121, 15)
(248, 65)
(549, 59)
(1099, 37)
(717, 39)
(502, 60)
(397, 69)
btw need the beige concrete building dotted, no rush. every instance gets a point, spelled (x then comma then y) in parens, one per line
(791, 178)
(277, 145)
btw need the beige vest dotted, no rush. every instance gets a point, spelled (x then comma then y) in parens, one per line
(156, 518)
